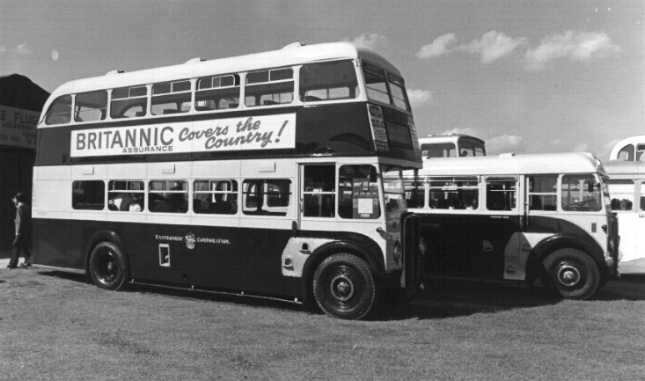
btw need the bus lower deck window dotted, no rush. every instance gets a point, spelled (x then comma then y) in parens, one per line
(266, 196)
(88, 194)
(126, 195)
(168, 196)
(215, 196)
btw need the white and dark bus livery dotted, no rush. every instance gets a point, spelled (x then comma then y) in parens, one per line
(451, 145)
(521, 218)
(629, 149)
(275, 174)
(627, 191)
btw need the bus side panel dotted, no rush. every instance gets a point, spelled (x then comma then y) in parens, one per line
(48, 247)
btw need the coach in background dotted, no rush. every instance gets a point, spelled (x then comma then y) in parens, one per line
(20, 240)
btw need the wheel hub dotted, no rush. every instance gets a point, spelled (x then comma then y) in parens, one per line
(568, 275)
(342, 288)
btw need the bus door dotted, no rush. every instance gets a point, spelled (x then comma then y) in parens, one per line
(502, 221)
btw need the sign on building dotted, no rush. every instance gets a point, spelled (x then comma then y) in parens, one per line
(18, 127)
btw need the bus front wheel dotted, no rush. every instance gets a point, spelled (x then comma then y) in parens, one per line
(343, 287)
(572, 273)
(108, 267)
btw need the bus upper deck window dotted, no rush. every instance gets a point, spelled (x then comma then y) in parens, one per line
(376, 84)
(397, 90)
(269, 87)
(358, 192)
(129, 102)
(218, 92)
(90, 106)
(60, 111)
(581, 193)
(328, 81)
(170, 98)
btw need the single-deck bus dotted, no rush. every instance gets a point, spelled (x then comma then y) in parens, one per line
(276, 174)
(517, 218)
(627, 191)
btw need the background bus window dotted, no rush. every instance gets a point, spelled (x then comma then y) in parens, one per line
(438, 150)
(327, 81)
(581, 193)
(215, 196)
(501, 193)
(170, 98)
(453, 193)
(129, 102)
(415, 193)
(358, 192)
(88, 194)
(266, 197)
(626, 153)
(543, 192)
(168, 196)
(218, 92)
(90, 106)
(60, 110)
(640, 152)
(622, 194)
(126, 195)
(319, 191)
(269, 87)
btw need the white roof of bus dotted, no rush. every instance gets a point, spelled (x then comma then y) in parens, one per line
(630, 140)
(291, 54)
(619, 167)
(507, 164)
(445, 138)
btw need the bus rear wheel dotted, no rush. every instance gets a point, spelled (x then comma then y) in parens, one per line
(108, 267)
(572, 273)
(344, 287)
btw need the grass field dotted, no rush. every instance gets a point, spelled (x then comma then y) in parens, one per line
(54, 326)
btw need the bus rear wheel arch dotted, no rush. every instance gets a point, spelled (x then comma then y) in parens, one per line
(108, 266)
(344, 286)
(572, 273)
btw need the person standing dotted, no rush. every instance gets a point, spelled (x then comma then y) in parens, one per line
(20, 241)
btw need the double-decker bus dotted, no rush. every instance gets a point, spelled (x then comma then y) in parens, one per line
(275, 174)
(627, 191)
(451, 145)
(517, 217)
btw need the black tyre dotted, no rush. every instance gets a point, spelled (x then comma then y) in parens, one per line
(572, 273)
(108, 267)
(344, 287)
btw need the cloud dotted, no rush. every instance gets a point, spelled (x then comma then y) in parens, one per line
(459, 130)
(372, 41)
(3, 49)
(438, 47)
(418, 97)
(54, 55)
(576, 46)
(581, 147)
(23, 50)
(503, 143)
(492, 46)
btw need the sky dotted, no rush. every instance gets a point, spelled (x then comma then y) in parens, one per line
(526, 76)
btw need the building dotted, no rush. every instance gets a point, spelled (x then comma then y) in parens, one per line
(21, 101)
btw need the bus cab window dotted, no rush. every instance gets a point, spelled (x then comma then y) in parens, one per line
(90, 106)
(168, 196)
(358, 192)
(622, 194)
(319, 197)
(126, 196)
(327, 81)
(60, 110)
(581, 193)
(215, 196)
(88, 194)
(266, 197)
(501, 193)
(543, 192)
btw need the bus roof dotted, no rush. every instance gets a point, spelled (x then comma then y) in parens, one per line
(619, 167)
(508, 164)
(630, 140)
(292, 54)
